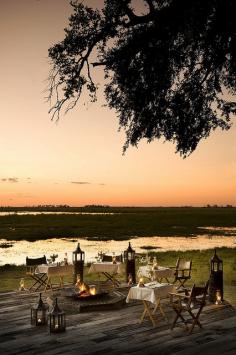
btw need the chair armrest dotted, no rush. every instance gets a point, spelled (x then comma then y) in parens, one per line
(178, 298)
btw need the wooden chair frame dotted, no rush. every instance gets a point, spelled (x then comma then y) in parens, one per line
(39, 279)
(191, 304)
(182, 272)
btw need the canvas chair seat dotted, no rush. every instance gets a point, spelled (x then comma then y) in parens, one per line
(191, 305)
(39, 279)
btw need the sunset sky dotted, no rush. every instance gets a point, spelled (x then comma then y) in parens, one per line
(79, 161)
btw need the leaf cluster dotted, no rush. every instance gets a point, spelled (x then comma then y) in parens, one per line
(170, 73)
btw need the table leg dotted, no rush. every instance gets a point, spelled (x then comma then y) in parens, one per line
(158, 306)
(149, 313)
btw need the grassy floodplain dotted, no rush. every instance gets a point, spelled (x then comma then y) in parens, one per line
(120, 222)
(124, 223)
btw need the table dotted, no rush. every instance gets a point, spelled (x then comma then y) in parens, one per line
(108, 269)
(55, 270)
(151, 293)
(158, 274)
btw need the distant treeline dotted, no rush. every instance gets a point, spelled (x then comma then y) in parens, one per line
(96, 208)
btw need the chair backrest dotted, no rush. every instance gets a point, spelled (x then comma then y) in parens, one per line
(184, 267)
(198, 294)
(119, 258)
(36, 261)
(105, 257)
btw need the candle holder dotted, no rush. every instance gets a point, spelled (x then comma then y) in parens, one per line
(39, 313)
(22, 285)
(218, 297)
(130, 280)
(57, 319)
(141, 282)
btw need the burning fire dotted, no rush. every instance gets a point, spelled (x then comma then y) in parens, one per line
(85, 290)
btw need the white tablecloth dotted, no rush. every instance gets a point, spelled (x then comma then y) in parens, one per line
(55, 270)
(161, 272)
(151, 292)
(108, 267)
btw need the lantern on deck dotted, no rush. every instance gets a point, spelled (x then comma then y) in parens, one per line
(57, 319)
(78, 261)
(129, 258)
(39, 313)
(216, 280)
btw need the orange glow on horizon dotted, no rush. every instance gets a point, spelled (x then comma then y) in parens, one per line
(79, 160)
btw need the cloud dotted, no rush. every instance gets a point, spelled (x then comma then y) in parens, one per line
(102, 184)
(12, 180)
(24, 195)
(80, 182)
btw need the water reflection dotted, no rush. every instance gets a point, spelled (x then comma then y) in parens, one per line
(20, 249)
(21, 213)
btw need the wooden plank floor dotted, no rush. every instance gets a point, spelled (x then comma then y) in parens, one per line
(113, 331)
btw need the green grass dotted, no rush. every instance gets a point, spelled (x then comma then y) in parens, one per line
(125, 223)
(11, 274)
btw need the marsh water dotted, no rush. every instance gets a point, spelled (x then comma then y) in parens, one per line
(15, 252)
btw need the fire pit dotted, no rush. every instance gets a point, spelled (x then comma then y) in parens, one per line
(74, 301)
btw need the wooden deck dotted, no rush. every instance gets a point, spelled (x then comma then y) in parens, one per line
(113, 331)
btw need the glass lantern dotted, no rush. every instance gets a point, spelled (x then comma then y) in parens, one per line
(218, 297)
(78, 254)
(216, 263)
(39, 313)
(216, 285)
(22, 285)
(129, 258)
(78, 262)
(129, 253)
(130, 280)
(57, 319)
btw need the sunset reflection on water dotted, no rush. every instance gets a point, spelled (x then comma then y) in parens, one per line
(20, 249)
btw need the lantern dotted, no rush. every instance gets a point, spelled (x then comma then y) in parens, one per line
(57, 319)
(141, 282)
(129, 257)
(130, 280)
(22, 285)
(216, 279)
(39, 313)
(218, 297)
(78, 261)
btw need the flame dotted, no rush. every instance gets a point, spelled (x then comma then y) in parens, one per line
(92, 290)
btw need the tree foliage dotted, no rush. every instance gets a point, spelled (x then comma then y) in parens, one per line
(170, 72)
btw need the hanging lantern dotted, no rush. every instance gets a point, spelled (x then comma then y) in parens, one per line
(39, 313)
(57, 319)
(129, 258)
(78, 257)
(216, 279)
